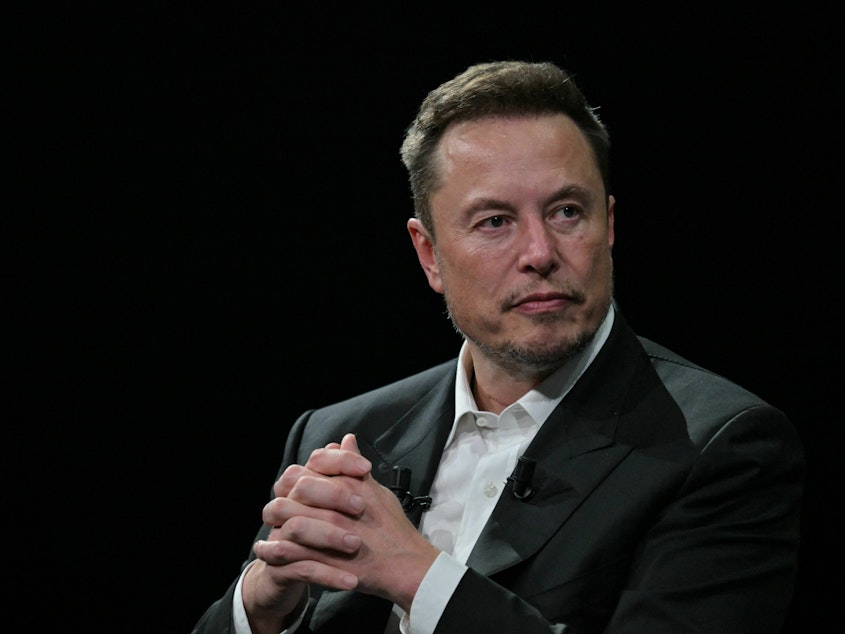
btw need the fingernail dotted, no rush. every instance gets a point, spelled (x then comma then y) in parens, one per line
(351, 541)
(356, 502)
(363, 464)
(350, 581)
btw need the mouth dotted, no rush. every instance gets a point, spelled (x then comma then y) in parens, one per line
(538, 303)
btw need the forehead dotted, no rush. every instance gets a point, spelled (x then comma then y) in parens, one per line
(516, 145)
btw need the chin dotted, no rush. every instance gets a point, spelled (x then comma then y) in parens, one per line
(561, 343)
(537, 356)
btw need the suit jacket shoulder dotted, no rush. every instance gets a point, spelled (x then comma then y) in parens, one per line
(706, 399)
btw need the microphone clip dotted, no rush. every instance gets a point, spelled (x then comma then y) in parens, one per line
(520, 479)
(413, 505)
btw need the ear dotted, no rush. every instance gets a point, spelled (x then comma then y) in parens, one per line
(425, 253)
(611, 236)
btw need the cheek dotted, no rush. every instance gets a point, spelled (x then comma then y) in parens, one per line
(602, 265)
(588, 259)
(467, 282)
(480, 270)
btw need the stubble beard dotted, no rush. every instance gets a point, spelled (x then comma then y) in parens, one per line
(533, 362)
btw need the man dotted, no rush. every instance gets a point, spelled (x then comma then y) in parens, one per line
(565, 475)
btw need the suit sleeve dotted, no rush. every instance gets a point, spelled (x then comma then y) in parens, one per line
(217, 619)
(721, 556)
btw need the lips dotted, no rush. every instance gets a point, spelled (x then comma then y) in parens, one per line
(543, 302)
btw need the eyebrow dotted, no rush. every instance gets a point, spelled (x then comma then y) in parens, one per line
(572, 191)
(582, 194)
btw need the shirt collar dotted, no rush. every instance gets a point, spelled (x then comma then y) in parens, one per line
(540, 401)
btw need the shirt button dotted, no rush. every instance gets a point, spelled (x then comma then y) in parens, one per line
(490, 490)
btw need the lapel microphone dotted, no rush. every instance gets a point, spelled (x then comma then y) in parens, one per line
(520, 479)
(413, 505)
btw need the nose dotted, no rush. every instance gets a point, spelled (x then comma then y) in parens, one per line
(538, 247)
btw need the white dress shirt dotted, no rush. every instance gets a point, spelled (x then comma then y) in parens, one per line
(480, 453)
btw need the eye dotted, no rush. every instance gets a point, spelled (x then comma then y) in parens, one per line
(494, 221)
(567, 211)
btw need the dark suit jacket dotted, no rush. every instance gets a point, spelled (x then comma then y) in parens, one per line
(668, 501)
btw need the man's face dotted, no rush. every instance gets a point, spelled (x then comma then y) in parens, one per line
(524, 232)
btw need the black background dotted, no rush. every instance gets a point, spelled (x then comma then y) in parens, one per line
(207, 237)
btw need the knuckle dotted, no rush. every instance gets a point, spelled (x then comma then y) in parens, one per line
(273, 510)
(274, 553)
(291, 473)
(315, 455)
(307, 570)
(268, 513)
(295, 528)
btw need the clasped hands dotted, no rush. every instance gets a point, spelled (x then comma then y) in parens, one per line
(334, 525)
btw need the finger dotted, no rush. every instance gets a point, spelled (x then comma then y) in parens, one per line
(350, 443)
(308, 570)
(302, 535)
(312, 495)
(290, 476)
(281, 509)
(337, 461)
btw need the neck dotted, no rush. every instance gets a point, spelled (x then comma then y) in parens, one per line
(495, 388)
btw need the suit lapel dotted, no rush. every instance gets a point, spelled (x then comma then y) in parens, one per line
(563, 479)
(417, 439)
